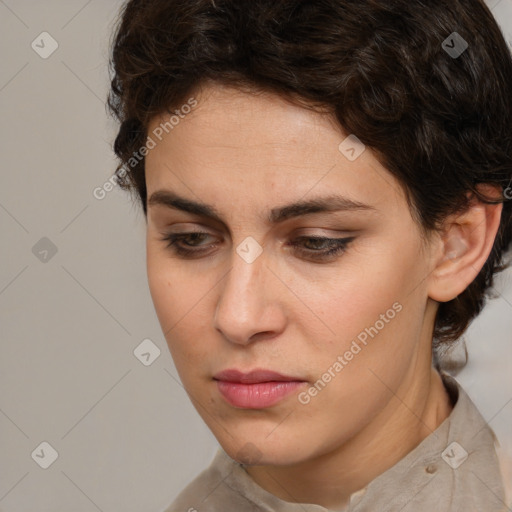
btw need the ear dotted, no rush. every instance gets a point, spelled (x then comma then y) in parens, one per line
(464, 244)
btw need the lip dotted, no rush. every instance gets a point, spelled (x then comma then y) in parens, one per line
(255, 376)
(256, 389)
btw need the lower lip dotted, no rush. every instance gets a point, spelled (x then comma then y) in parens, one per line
(256, 396)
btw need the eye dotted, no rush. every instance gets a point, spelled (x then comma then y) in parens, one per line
(335, 246)
(175, 239)
(177, 243)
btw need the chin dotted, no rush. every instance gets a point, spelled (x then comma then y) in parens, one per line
(264, 453)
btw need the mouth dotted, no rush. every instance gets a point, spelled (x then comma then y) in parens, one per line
(257, 389)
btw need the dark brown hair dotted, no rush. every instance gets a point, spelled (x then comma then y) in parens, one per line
(440, 123)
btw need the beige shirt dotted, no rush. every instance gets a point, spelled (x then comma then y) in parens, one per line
(454, 469)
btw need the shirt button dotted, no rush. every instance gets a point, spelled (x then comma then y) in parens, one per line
(431, 468)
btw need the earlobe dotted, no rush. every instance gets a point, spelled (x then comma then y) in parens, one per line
(466, 241)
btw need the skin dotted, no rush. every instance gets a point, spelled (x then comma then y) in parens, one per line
(245, 154)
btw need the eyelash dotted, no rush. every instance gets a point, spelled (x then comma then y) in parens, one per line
(338, 245)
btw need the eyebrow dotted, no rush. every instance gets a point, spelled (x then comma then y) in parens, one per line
(330, 203)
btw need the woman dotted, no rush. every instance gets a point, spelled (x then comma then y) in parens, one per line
(325, 185)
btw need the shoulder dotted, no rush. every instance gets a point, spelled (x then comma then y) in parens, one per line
(470, 459)
(467, 472)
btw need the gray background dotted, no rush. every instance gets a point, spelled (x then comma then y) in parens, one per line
(126, 434)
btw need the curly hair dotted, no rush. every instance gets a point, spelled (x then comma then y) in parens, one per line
(441, 123)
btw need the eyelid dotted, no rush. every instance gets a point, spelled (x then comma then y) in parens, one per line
(337, 246)
(299, 232)
(324, 232)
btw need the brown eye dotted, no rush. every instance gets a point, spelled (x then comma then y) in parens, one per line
(333, 246)
(310, 247)
(175, 242)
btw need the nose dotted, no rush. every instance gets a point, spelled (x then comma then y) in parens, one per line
(249, 306)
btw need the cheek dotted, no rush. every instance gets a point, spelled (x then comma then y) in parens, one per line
(373, 318)
(169, 295)
(376, 352)
(180, 305)
(171, 289)
(352, 301)
(354, 380)
(160, 286)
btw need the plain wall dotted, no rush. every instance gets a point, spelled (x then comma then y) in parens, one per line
(126, 434)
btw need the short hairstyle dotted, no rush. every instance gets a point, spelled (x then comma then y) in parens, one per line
(439, 121)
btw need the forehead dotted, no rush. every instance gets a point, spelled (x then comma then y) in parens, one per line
(229, 118)
(234, 142)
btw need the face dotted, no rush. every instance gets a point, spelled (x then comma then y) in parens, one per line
(329, 294)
